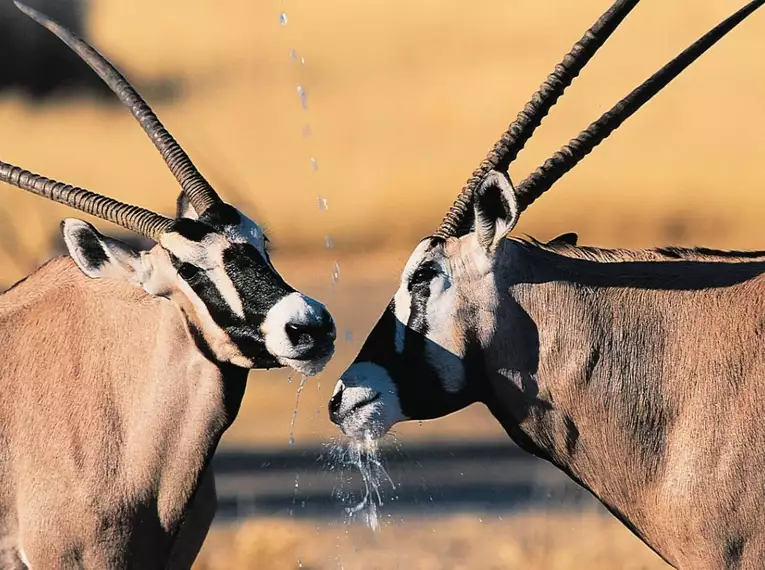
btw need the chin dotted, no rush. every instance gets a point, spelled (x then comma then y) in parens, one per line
(307, 367)
(366, 424)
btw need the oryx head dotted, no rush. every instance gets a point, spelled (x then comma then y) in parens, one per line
(210, 259)
(422, 359)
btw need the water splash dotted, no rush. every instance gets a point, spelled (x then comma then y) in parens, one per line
(283, 18)
(303, 97)
(294, 413)
(362, 457)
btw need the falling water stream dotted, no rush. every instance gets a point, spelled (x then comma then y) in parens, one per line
(295, 411)
(364, 458)
(354, 458)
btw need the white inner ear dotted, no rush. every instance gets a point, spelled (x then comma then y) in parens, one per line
(490, 231)
(121, 261)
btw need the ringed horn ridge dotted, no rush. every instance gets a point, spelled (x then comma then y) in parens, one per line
(152, 225)
(459, 217)
(571, 154)
(504, 152)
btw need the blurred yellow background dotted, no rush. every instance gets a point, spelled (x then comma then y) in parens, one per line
(402, 98)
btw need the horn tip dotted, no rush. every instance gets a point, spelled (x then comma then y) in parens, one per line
(31, 12)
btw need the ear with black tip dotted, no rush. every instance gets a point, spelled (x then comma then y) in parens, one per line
(569, 238)
(184, 209)
(496, 209)
(99, 256)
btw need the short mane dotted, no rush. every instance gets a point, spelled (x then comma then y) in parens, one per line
(668, 253)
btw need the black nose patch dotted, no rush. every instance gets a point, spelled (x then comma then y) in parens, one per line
(314, 338)
(334, 406)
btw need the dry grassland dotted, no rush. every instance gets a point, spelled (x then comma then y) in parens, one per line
(533, 541)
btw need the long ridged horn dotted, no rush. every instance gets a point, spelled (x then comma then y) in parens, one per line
(198, 190)
(129, 217)
(571, 154)
(513, 140)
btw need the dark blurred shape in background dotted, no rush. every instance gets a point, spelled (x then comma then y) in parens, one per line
(35, 62)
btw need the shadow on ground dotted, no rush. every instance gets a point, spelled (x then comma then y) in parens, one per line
(429, 480)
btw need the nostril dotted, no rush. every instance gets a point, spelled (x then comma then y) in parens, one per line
(328, 325)
(298, 334)
(309, 334)
(334, 404)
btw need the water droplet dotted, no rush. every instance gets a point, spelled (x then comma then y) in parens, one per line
(294, 414)
(335, 273)
(329, 242)
(303, 97)
(306, 131)
(419, 422)
(283, 18)
(314, 164)
(293, 54)
(348, 335)
(480, 520)
(302, 62)
(323, 206)
(300, 563)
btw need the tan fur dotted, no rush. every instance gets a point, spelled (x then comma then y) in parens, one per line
(110, 416)
(642, 375)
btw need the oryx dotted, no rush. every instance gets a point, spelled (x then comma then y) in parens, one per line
(641, 374)
(120, 369)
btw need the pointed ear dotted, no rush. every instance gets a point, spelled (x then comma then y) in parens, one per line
(184, 209)
(496, 209)
(100, 256)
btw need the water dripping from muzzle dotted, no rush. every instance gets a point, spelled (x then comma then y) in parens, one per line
(295, 411)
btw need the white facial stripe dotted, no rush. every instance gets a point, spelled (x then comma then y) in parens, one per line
(442, 329)
(364, 382)
(402, 309)
(227, 290)
(190, 251)
(208, 255)
(402, 301)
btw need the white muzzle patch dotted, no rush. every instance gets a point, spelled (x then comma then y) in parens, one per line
(294, 309)
(369, 404)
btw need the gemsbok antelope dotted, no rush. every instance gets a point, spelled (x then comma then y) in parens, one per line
(121, 369)
(640, 374)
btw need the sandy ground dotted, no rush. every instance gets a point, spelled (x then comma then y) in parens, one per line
(529, 541)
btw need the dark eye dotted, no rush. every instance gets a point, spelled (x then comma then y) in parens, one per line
(423, 275)
(188, 271)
